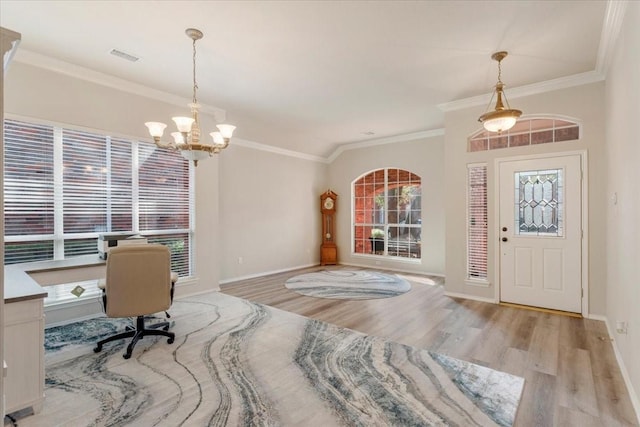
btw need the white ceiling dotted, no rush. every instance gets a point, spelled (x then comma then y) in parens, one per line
(308, 76)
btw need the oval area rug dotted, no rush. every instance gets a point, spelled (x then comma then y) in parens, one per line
(348, 284)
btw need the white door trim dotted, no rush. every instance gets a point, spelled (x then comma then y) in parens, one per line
(583, 208)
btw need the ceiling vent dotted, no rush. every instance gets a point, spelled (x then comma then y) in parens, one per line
(124, 55)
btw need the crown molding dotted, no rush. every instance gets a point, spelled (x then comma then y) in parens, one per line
(362, 144)
(82, 73)
(76, 71)
(276, 150)
(9, 41)
(611, 27)
(382, 141)
(527, 90)
(613, 20)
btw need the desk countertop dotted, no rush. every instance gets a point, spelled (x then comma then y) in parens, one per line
(19, 286)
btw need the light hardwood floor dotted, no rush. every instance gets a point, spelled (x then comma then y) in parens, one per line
(572, 378)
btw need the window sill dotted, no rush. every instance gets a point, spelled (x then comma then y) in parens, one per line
(478, 282)
(388, 258)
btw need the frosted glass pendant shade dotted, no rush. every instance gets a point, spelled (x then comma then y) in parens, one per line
(194, 155)
(177, 137)
(156, 129)
(217, 138)
(226, 130)
(499, 124)
(183, 123)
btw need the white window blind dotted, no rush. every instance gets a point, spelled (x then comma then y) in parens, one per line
(163, 190)
(164, 202)
(64, 187)
(477, 222)
(28, 191)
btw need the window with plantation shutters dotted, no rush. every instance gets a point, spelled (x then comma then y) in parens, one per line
(28, 192)
(163, 189)
(64, 187)
(477, 222)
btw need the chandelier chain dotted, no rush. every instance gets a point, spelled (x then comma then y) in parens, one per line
(195, 83)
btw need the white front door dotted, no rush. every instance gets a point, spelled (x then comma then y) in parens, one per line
(541, 231)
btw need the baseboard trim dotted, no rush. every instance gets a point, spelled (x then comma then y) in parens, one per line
(599, 317)
(471, 297)
(265, 273)
(635, 402)
(76, 319)
(541, 310)
(399, 270)
(72, 311)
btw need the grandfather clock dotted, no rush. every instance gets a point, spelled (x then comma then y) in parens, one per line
(328, 249)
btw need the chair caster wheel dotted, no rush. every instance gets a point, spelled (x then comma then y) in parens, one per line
(170, 341)
(126, 356)
(97, 349)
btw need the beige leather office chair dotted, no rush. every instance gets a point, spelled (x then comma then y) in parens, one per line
(138, 283)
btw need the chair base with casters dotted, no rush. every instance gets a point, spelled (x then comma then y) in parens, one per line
(138, 283)
(138, 333)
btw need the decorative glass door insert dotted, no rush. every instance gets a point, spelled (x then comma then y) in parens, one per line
(539, 203)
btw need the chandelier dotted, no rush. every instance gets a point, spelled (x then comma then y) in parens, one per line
(187, 138)
(501, 118)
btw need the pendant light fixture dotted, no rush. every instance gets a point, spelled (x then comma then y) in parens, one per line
(187, 138)
(501, 118)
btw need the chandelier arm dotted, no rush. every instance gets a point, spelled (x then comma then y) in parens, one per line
(166, 145)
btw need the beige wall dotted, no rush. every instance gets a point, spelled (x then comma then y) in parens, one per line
(250, 203)
(45, 95)
(422, 157)
(7, 40)
(622, 96)
(582, 103)
(269, 212)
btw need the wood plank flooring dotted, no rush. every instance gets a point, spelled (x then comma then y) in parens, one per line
(572, 378)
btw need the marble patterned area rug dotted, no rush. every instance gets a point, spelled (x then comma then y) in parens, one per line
(81, 333)
(348, 284)
(235, 363)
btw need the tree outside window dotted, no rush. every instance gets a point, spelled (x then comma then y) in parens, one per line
(387, 213)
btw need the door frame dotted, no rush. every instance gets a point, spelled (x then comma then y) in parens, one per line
(584, 197)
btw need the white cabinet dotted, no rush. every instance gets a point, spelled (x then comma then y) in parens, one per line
(24, 354)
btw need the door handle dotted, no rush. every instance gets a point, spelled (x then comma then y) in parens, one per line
(504, 239)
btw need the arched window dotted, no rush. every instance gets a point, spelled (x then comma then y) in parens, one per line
(387, 213)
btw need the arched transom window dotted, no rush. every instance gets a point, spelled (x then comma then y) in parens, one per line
(387, 213)
(529, 131)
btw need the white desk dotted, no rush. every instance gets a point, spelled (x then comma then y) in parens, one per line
(23, 343)
(24, 323)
